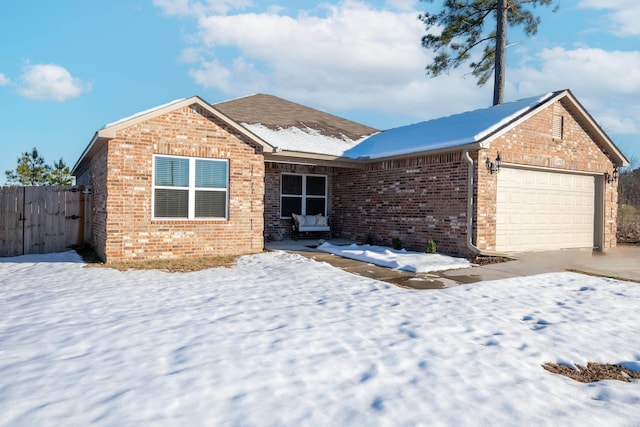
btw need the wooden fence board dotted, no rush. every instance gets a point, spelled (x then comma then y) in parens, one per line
(11, 201)
(43, 219)
(73, 218)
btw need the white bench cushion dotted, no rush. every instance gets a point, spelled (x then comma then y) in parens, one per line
(311, 222)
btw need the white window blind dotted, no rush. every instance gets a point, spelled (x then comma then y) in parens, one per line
(189, 188)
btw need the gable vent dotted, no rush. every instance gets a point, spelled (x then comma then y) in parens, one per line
(557, 126)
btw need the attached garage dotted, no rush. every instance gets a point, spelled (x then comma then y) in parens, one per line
(544, 210)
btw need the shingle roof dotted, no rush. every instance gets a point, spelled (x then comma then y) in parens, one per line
(445, 132)
(290, 126)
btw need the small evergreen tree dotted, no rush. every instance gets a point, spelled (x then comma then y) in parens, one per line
(31, 170)
(60, 174)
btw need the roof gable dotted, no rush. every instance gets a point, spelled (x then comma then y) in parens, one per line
(110, 130)
(593, 128)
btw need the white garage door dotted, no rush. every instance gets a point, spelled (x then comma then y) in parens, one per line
(544, 210)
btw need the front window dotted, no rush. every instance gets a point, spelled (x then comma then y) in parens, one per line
(190, 188)
(303, 195)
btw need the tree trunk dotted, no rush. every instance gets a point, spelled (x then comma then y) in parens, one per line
(501, 47)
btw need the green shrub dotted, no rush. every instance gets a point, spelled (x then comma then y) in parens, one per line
(431, 247)
(396, 243)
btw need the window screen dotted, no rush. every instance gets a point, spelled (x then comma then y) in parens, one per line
(172, 172)
(190, 188)
(292, 184)
(211, 204)
(316, 185)
(211, 174)
(303, 194)
(171, 203)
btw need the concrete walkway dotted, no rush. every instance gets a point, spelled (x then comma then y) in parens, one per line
(622, 263)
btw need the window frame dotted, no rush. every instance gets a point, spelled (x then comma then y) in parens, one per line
(191, 188)
(304, 196)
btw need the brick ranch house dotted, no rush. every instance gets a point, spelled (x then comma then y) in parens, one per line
(191, 179)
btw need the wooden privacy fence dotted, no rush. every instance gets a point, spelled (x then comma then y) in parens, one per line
(39, 220)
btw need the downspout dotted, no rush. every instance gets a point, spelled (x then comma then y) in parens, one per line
(473, 248)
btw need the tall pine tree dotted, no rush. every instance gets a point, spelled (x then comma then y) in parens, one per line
(462, 25)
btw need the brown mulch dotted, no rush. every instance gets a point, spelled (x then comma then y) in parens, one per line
(593, 372)
(172, 265)
(183, 265)
(486, 260)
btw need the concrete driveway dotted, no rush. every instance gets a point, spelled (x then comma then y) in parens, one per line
(622, 262)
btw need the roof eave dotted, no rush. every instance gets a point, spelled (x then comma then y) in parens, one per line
(469, 146)
(85, 153)
(312, 159)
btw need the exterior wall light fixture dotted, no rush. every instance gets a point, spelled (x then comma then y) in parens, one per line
(494, 166)
(613, 177)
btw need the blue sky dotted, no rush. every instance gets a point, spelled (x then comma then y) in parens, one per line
(69, 67)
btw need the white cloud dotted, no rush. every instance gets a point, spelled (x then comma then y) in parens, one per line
(4, 80)
(624, 14)
(352, 56)
(606, 82)
(50, 82)
(240, 75)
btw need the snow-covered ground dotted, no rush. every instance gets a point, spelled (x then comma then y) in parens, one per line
(417, 262)
(283, 340)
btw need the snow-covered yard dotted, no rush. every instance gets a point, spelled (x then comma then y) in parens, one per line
(283, 340)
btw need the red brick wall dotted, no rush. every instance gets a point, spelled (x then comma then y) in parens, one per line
(96, 175)
(131, 233)
(416, 199)
(273, 171)
(532, 143)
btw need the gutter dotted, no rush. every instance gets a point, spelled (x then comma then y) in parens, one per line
(473, 248)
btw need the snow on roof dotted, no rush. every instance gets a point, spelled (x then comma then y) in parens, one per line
(141, 113)
(451, 131)
(305, 140)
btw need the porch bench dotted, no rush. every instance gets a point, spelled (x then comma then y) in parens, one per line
(310, 223)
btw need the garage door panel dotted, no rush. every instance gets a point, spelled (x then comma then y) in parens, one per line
(539, 210)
